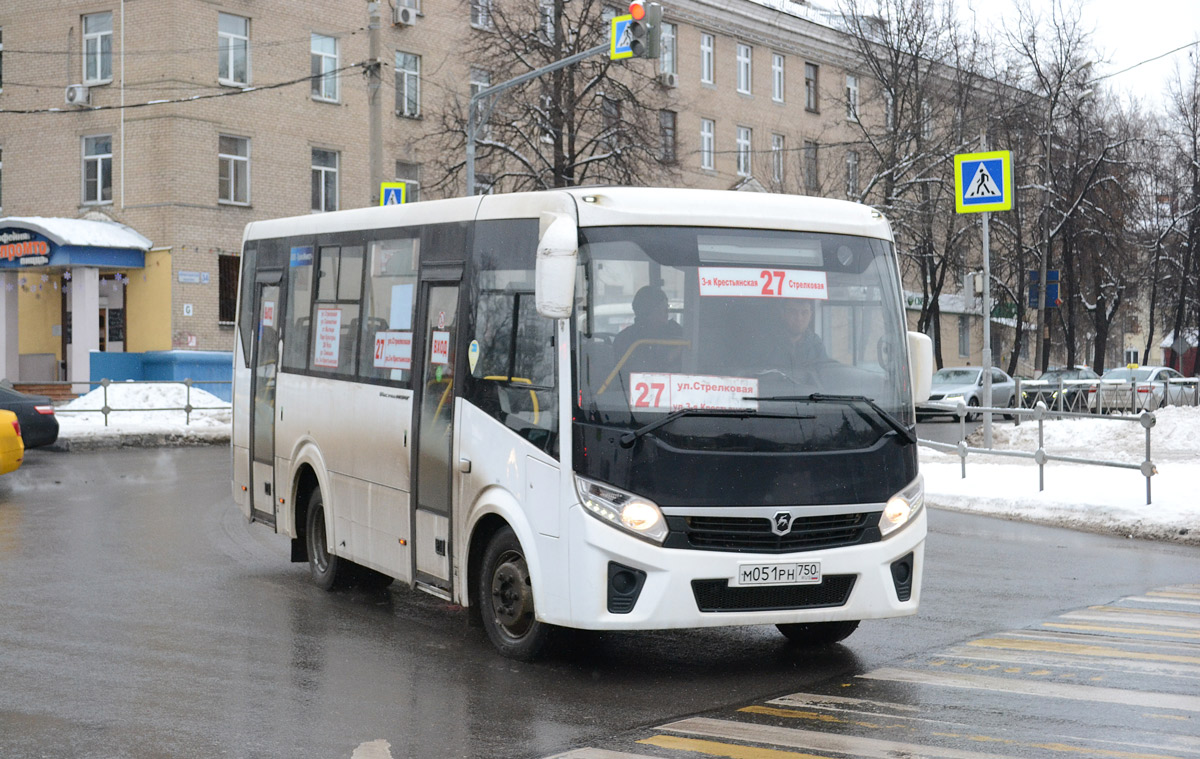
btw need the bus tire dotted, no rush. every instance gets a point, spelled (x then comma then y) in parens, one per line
(328, 571)
(505, 596)
(813, 634)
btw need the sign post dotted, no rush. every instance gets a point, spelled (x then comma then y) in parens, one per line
(982, 184)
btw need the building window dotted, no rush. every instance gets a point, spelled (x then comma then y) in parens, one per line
(744, 53)
(889, 111)
(233, 45)
(964, 335)
(324, 180)
(408, 85)
(852, 173)
(324, 68)
(1131, 356)
(546, 20)
(666, 131)
(812, 181)
(233, 174)
(811, 100)
(227, 288)
(610, 116)
(484, 184)
(707, 46)
(480, 81)
(708, 129)
(926, 119)
(777, 157)
(410, 175)
(777, 77)
(481, 14)
(97, 169)
(666, 57)
(744, 140)
(97, 48)
(851, 97)
(1, 177)
(1, 59)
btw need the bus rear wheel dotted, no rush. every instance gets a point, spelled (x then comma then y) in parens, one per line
(813, 634)
(328, 571)
(505, 596)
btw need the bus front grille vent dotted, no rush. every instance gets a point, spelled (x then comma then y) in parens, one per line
(753, 534)
(718, 595)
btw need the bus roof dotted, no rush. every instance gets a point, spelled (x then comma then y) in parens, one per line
(605, 206)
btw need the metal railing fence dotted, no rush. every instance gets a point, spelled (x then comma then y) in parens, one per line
(1107, 396)
(1039, 414)
(187, 408)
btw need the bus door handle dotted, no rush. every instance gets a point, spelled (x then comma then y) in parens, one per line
(464, 466)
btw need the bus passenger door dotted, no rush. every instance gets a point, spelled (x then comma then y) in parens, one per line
(262, 411)
(434, 439)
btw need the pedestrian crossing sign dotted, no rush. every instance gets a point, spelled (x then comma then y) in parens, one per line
(392, 194)
(983, 182)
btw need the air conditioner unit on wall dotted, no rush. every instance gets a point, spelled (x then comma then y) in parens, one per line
(77, 94)
(668, 79)
(403, 15)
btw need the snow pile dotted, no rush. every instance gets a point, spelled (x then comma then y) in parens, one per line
(1094, 498)
(145, 411)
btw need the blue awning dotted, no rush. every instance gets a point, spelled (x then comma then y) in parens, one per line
(27, 242)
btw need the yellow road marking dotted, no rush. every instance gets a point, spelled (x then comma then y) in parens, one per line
(1079, 649)
(1121, 630)
(1166, 594)
(730, 750)
(816, 717)
(1144, 612)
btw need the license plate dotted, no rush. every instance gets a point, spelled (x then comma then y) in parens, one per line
(789, 573)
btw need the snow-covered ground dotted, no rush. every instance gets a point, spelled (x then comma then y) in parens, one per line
(1093, 498)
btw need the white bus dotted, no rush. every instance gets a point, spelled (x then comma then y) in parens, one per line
(598, 408)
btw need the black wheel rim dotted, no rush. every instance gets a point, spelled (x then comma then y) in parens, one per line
(512, 596)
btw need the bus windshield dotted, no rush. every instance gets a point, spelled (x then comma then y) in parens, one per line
(740, 323)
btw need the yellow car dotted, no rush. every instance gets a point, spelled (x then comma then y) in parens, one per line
(12, 447)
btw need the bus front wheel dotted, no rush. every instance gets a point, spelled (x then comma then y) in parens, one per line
(505, 597)
(328, 571)
(818, 633)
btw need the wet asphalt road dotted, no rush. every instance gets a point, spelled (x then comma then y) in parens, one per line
(140, 616)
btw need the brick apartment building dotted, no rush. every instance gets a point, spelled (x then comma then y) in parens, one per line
(185, 120)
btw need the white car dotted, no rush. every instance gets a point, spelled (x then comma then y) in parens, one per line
(1143, 388)
(964, 384)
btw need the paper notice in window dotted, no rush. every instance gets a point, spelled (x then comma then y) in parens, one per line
(329, 338)
(733, 282)
(440, 348)
(393, 350)
(672, 392)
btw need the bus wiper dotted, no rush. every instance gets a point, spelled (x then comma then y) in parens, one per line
(629, 438)
(905, 432)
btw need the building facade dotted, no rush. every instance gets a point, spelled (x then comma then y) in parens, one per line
(186, 120)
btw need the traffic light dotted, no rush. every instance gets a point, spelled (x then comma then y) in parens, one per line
(645, 30)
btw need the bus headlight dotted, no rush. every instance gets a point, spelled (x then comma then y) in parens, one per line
(638, 516)
(902, 507)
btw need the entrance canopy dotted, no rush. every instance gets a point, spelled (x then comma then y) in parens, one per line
(37, 241)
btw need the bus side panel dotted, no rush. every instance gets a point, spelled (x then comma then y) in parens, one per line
(240, 443)
(500, 482)
(363, 435)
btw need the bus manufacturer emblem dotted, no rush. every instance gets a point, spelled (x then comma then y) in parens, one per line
(782, 523)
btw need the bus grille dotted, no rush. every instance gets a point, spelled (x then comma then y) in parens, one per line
(753, 534)
(718, 595)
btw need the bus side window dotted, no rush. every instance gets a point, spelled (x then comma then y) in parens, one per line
(298, 316)
(388, 305)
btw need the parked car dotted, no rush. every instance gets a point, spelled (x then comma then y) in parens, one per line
(39, 426)
(964, 384)
(12, 448)
(1074, 383)
(1137, 389)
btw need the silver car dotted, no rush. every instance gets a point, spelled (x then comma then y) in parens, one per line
(964, 384)
(1144, 388)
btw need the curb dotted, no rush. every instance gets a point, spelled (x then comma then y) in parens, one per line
(137, 440)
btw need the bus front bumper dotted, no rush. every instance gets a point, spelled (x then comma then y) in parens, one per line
(678, 582)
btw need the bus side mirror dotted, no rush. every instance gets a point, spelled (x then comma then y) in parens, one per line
(555, 273)
(920, 365)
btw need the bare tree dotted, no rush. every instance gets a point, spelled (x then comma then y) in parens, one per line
(593, 122)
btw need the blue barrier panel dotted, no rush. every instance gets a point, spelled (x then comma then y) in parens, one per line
(209, 370)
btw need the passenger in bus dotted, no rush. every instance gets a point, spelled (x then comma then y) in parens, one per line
(653, 342)
(805, 349)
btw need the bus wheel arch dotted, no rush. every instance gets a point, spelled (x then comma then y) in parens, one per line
(306, 482)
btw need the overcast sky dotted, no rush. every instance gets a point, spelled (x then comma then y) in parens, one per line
(1125, 32)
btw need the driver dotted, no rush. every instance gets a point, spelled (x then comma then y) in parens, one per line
(651, 328)
(805, 349)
